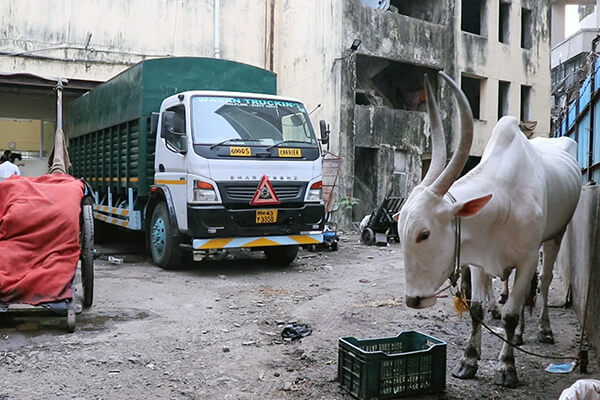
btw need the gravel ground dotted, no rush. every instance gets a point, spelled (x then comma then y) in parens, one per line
(213, 331)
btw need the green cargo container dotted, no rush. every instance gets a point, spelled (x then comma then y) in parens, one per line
(110, 143)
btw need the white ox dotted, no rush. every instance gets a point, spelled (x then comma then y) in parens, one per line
(522, 194)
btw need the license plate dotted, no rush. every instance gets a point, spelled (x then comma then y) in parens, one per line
(287, 152)
(266, 216)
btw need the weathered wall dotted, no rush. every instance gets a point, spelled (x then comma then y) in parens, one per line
(400, 136)
(308, 58)
(486, 57)
(51, 35)
(579, 261)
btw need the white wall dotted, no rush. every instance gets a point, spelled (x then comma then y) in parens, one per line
(123, 32)
(307, 44)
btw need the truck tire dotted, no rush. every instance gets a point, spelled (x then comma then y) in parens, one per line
(164, 243)
(281, 256)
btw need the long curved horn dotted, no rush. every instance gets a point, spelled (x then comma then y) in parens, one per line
(459, 159)
(438, 140)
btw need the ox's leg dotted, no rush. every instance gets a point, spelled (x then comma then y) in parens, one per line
(520, 328)
(504, 294)
(467, 366)
(492, 306)
(507, 373)
(551, 248)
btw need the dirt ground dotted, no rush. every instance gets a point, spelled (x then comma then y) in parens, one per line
(213, 331)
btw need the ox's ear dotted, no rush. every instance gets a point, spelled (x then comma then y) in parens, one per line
(472, 207)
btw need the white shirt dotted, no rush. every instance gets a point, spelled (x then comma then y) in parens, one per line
(8, 169)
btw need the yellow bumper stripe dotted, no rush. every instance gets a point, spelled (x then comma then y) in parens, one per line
(266, 241)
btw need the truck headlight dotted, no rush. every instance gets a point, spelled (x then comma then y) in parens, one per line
(315, 191)
(204, 191)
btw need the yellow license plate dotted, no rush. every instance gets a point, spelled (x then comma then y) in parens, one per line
(266, 216)
(240, 151)
(285, 152)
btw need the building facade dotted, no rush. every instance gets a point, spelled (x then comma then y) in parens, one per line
(358, 64)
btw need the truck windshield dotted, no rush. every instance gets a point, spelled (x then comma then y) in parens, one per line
(250, 121)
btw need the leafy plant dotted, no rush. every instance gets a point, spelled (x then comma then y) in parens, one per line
(346, 203)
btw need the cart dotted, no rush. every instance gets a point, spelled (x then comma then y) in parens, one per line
(331, 169)
(381, 228)
(84, 275)
(84, 266)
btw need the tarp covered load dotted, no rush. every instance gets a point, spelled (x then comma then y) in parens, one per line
(39, 237)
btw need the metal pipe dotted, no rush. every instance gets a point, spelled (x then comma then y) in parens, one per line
(217, 29)
(59, 101)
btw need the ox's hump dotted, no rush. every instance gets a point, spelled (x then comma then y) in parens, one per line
(505, 134)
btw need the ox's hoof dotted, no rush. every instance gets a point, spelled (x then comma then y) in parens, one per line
(496, 314)
(465, 369)
(545, 336)
(518, 339)
(507, 377)
(503, 298)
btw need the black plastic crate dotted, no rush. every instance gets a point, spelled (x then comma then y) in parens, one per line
(388, 368)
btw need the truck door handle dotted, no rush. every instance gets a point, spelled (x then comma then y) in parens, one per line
(161, 168)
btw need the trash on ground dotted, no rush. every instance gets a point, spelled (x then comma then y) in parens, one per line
(561, 368)
(295, 331)
(115, 260)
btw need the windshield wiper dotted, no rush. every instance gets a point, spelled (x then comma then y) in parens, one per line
(233, 140)
(286, 142)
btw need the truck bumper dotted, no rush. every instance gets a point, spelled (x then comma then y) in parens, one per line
(217, 223)
(257, 241)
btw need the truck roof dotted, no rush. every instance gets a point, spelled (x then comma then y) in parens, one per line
(218, 93)
(139, 90)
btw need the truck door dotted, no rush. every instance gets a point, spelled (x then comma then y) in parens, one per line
(170, 163)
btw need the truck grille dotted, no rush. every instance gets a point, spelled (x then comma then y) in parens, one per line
(244, 192)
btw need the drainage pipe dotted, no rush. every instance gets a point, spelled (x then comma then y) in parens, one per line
(217, 28)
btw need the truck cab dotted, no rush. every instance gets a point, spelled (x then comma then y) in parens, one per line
(234, 170)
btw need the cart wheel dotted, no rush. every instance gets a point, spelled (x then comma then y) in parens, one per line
(334, 246)
(71, 317)
(87, 254)
(368, 236)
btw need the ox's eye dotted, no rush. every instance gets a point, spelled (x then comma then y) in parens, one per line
(423, 236)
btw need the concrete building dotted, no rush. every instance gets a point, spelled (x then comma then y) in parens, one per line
(569, 60)
(370, 93)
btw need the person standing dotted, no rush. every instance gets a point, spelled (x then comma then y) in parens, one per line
(4, 156)
(7, 169)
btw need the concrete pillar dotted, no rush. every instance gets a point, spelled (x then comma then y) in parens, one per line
(558, 22)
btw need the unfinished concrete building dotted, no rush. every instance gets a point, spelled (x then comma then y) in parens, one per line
(497, 49)
(370, 92)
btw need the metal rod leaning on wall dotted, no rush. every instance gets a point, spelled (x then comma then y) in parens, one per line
(58, 161)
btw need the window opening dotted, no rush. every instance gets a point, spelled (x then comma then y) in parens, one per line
(526, 26)
(504, 22)
(473, 17)
(503, 89)
(525, 103)
(472, 90)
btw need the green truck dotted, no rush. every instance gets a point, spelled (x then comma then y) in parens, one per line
(202, 156)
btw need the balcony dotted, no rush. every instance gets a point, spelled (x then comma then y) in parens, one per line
(398, 37)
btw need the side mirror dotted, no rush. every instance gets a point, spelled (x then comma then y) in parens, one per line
(171, 125)
(324, 131)
(154, 123)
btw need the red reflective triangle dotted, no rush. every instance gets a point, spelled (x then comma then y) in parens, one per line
(264, 193)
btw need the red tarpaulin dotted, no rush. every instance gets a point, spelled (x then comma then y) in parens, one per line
(39, 237)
